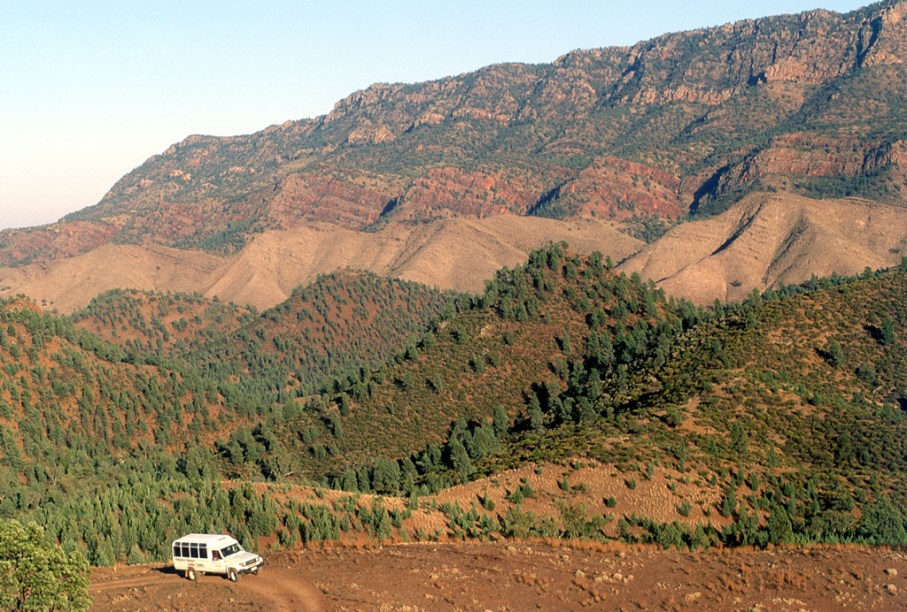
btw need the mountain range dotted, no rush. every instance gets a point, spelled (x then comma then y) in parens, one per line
(400, 178)
(651, 294)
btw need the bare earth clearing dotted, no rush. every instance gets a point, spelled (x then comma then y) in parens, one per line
(524, 576)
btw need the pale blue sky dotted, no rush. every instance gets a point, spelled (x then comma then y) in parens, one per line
(89, 89)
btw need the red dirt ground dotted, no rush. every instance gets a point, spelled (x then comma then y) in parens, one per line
(525, 576)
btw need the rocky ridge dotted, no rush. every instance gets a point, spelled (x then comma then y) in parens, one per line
(686, 122)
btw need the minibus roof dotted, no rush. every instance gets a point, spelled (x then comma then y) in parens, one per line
(214, 540)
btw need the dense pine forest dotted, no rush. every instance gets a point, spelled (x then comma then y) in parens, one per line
(791, 408)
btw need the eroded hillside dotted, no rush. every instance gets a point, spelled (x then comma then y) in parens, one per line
(770, 240)
(458, 254)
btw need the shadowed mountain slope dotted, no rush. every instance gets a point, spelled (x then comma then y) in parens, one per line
(341, 322)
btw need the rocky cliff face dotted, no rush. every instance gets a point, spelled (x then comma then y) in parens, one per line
(813, 103)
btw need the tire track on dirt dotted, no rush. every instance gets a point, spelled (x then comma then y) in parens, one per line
(273, 588)
(282, 590)
(150, 579)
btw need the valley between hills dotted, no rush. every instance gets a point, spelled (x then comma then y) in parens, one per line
(518, 337)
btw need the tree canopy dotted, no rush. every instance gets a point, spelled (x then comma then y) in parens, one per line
(36, 574)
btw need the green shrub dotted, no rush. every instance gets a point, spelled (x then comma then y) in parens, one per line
(38, 575)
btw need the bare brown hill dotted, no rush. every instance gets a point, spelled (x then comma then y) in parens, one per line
(68, 284)
(770, 239)
(452, 254)
(765, 240)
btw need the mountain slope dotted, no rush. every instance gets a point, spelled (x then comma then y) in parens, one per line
(342, 322)
(768, 240)
(763, 241)
(522, 339)
(812, 103)
(777, 420)
(161, 324)
(598, 410)
(458, 254)
(66, 394)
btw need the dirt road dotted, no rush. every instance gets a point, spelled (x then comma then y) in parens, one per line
(161, 588)
(519, 576)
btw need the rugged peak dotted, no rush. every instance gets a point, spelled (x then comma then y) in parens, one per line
(364, 99)
(693, 115)
(883, 35)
